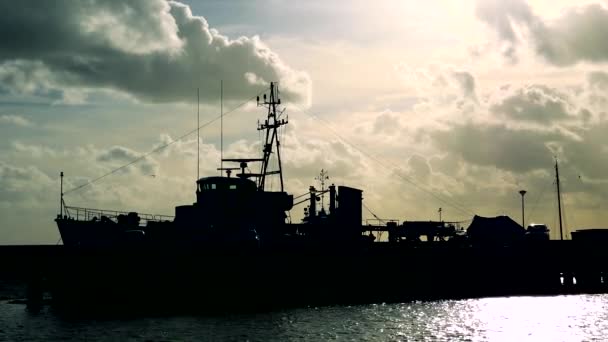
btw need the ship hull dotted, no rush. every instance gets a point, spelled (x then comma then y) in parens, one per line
(154, 280)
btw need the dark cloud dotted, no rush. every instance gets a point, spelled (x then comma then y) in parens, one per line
(467, 83)
(589, 155)
(535, 103)
(118, 156)
(597, 82)
(497, 145)
(578, 35)
(155, 50)
(419, 167)
(19, 184)
(387, 123)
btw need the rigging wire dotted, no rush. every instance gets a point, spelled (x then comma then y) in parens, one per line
(161, 147)
(302, 195)
(403, 177)
(374, 215)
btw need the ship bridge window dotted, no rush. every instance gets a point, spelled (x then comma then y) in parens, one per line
(232, 186)
(208, 187)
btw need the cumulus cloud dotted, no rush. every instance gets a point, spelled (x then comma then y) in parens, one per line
(35, 151)
(438, 83)
(387, 123)
(496, 145)
(467, 83)
(14, 120)
(598, 80)
(535, 103)
(118, 156)
(419, 167)
(27, 205)
(15, 179)
(577, 36)
(157, 51)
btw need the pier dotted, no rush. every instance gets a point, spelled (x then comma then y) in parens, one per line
(149, 279)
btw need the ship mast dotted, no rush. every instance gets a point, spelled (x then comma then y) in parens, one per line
(322, 177)
(559, 202)
(271, 125)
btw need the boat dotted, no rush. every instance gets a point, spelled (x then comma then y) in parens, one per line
(231, 211)
(236, 247)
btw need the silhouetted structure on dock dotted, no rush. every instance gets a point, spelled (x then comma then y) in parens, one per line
(235, 247)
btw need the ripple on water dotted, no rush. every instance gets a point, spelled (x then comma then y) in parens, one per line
(559, 318)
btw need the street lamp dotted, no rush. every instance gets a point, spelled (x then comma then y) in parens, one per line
(523, 220)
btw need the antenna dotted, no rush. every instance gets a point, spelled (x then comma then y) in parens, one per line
(61, 197)
(222, 126)
(270, 125)
(559, 201)
(322, 177)
(198, 130)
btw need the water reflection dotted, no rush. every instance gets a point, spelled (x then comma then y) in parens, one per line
(561, 318)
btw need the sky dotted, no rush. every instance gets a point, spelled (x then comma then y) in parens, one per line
(453, 104)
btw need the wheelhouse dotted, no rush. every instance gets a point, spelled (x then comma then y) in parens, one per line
(224, 184)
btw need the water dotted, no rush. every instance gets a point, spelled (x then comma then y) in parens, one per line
(561, 318)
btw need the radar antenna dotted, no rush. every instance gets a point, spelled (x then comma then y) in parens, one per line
(322, 177)
(271, 125)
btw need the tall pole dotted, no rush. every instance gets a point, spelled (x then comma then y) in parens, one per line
(559, 202)
(523, 217)
(221, 126)
(439, 211)
(198, 138)
(61, 196)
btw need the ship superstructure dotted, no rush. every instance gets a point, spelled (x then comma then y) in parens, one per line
(237, 209)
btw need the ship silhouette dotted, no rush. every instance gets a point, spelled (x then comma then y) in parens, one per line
(236, 247)
(233, 211)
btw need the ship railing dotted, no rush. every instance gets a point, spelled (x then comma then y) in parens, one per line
(88, 214)
(380, 222)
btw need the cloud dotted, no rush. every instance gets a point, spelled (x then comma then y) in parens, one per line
(496, 145)
(28, 200)
(155, 50)
(589, 155)
(118, 156)
(577, 36)
(438, 83)
(419, 167)
(14, 120)
(598, 80)
(536, 103)
(15, 179)
(502, 17)
(467, 83)
(387, 123)
(34, 150)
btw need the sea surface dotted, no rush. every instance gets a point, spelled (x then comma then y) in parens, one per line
(558, 318)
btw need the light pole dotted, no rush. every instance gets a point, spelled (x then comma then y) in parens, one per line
(523, 220)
